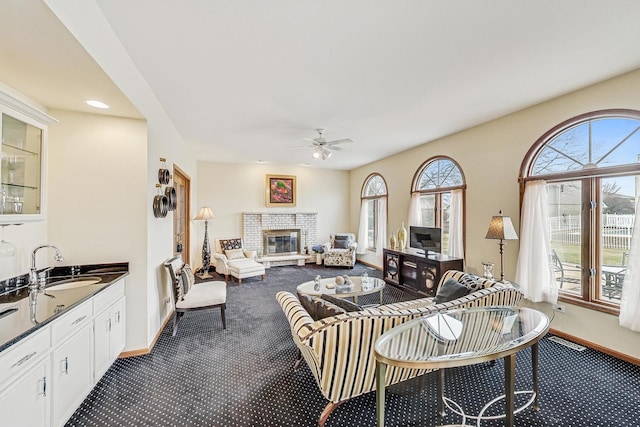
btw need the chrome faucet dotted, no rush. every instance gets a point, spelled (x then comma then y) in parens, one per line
(33, 271)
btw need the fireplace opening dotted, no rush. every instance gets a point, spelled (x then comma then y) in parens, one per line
(281, 242)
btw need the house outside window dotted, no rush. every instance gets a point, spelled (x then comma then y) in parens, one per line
(434, 181)
(374, 195)
(591, 166)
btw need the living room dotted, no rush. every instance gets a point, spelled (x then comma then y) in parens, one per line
(112, 172)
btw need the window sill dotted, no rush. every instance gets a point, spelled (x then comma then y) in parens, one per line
(603, 307)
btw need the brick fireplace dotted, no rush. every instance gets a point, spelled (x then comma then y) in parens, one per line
(303, 224)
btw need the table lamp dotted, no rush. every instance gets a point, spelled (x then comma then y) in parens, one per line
(501, 228)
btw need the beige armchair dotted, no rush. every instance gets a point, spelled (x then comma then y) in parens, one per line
(232, 259)
(340, 250)
(339, 349)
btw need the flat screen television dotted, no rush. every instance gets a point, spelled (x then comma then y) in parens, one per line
(425, 238)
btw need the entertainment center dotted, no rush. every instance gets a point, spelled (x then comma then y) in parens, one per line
(414, 271)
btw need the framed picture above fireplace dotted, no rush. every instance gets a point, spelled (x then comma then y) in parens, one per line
(281, 190)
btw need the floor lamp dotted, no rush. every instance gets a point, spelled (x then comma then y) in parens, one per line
(205, 215)
(501, 228)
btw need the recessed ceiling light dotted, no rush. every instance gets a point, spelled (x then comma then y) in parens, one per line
(97, 104)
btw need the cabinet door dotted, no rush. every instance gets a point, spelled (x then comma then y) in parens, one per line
(25, 403)
(391, 267)
(428, 277)
(72, 375)
(101, 338)
(109, 334)
(117, 340)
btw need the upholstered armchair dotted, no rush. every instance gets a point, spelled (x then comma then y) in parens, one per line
(340, 250)
(232, 259)
(339, 349)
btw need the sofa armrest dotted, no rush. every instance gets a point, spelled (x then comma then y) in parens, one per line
(221, 257)
(353, 246)
(300, 321)
(326, 246)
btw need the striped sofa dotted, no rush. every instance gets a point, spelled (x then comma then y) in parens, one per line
(339, 349)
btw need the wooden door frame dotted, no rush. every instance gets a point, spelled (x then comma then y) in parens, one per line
(186, 241)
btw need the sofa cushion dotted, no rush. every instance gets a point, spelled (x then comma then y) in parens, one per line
(346, 305)
(341, 241)
(234, 254)
(451, 289)
(471, 282)
(188, 278)
(319, 308)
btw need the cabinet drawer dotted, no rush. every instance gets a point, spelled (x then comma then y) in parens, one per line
(70, 322)
(18, 358)
(107, 297)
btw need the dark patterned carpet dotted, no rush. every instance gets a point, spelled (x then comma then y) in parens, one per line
(242, 376)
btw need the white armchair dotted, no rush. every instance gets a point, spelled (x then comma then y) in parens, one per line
(340, 250)
(232, 259)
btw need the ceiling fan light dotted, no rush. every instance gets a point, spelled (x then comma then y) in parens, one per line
(326, 154)
(316, 154)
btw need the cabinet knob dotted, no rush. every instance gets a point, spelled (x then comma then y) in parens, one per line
(43, 387)
(65, 366)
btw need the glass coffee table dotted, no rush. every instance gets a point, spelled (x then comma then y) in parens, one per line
(371, 286)
(459, 338)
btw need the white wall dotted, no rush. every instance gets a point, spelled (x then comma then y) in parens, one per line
(490, 156)
(231, 189)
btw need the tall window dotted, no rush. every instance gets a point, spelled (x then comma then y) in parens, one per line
(374, 195)
(433, 184)
(591, 166)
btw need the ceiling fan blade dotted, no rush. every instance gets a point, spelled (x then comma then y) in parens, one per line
(309, 139)
(340, 141)
(334, 148)
(297, 147)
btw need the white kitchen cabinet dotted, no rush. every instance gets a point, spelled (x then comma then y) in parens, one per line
(108, 337)
(72, 374)
(23, 159)
(25, 402)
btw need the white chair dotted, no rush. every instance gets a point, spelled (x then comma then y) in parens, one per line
(232, 259)
(189, 296)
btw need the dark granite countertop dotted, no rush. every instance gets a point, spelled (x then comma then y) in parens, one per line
(18, 319)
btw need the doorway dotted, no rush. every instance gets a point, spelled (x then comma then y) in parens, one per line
(181, 235)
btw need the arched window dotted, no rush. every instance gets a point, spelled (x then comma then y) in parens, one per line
(373, 217)
(590, 166)
(437, 186)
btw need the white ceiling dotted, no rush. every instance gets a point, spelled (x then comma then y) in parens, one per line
(243, 80)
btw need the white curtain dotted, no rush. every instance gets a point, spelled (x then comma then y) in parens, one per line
(382, 225)
(534, 273)
(363, 229)
(630, 298)
(415, 216)
(456, 244)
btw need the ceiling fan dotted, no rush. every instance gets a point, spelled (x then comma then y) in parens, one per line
(321, 147)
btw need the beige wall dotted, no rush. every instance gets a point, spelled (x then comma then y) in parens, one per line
(490, 156)
(231, 189)
(97, 199)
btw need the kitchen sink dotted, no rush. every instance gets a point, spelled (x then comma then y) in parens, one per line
(78, 282)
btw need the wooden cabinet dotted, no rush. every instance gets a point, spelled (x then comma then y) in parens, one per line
(417, 273)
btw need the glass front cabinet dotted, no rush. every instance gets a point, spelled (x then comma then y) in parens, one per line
(22, 163)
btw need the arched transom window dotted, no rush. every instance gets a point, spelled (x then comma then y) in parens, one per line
(591, 167)
(432, 195)
(373, 219)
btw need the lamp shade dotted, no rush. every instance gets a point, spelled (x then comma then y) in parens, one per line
(501, 228)
(205, 214)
